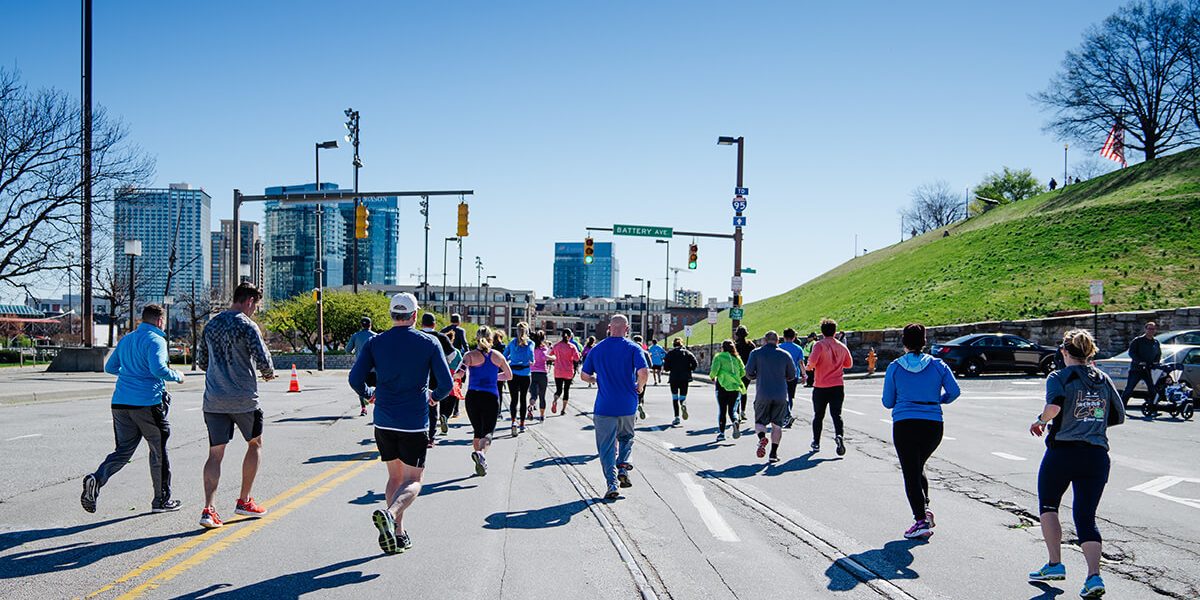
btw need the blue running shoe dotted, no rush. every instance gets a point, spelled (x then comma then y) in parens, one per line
(1092, 588)
(1049, 573)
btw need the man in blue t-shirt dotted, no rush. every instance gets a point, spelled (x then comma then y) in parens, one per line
(618, 368)
(797, 351)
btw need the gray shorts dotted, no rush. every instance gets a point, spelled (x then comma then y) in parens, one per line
(220, 426)
(770, 411)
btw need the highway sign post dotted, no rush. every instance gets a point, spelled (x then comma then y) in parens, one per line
(712, 316)
(739, 221)
(741, 191)
(739, 204)
(735, 284)
(1096, 298)
(737, 312)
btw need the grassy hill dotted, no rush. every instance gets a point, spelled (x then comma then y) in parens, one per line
(1138, 229)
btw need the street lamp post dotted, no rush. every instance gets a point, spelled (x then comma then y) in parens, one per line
(168, 300)
(133, 248)
(70, 300)
(319, 250)
(737, 233)
(1065, 147)
(445, 300)
(666, 278)
(425, 274)
(486, 306)
(478, 286)
(459, 304)
(352, 138)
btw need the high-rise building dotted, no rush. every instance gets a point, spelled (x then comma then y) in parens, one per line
(289, 242)
(689, 298)
(249, 259)
(163, 219)
(217, 279)
(575, 279)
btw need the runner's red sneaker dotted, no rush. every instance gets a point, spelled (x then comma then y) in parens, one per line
(249, 508)
(209, 519)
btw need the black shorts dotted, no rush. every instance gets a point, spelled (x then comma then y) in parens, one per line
(220, 426)
(482, 410)
(406, 446)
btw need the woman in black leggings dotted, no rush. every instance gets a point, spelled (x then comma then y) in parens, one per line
(1081, 404)
(727, 372)
(915, 387)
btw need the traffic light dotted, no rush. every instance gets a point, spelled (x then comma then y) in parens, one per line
(362, 222)
(316, 294)
(693, 259)
(589, 250)
(462, 219)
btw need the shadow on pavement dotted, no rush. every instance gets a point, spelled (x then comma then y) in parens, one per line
(446, 486)
(76, 555)
(888, 563)
(1048, 592)
(292, 585)
(454, 442)
(576, 459)
(735, 472)
(803, 462)
(342, 457)
(310, 419)
(709, 431)
(701, 447)
(541, 518)
(16, 538)
(368, 498)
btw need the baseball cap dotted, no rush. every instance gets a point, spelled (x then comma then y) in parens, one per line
(404, 303)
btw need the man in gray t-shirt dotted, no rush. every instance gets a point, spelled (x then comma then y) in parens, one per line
(772, 368)
(230, 351)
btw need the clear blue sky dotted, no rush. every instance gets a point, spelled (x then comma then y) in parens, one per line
(564, 114)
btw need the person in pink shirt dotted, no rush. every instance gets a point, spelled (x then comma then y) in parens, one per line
(828, 359)
(566, 356)
(539, 374)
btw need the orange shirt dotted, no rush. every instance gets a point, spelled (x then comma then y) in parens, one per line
(829, 358)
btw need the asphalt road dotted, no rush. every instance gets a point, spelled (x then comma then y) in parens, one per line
(703, 520)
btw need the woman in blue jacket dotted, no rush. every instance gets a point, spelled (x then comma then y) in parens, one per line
(519, 354)
(915, 388)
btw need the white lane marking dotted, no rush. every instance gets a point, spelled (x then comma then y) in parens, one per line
(708, 513)
(191, 409)
(946, 437)
(1155, 488)
(888, 421)
(1028, 383)
(22, 437)
(854, 412)
(1007, 456)
(667, 445)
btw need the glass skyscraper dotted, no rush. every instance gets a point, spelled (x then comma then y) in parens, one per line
(289, 240)
(160, 218)
(574, 279)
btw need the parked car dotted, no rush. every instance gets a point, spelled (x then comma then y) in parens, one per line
(1188, 355)
(979, 353)
(1182, 337)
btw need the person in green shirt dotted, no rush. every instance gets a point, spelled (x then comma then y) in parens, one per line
(727, 372)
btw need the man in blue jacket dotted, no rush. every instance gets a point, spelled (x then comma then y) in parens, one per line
(139, 409)
(405, 360)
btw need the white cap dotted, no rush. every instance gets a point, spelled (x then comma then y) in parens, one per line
(404, 302)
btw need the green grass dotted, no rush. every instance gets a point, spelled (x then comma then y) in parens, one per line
(1133, 228)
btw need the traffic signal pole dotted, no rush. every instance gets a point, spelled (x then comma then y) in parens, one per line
(737, 239)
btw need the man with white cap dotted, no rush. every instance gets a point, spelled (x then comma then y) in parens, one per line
(403, 359)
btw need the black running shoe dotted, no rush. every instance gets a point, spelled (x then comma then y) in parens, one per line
(841, 445)
(612, 494)
(91, 491)
(815, 447)
(169, 505)
(386, 525)
(623, 478)
(405, 541)
(443, 425)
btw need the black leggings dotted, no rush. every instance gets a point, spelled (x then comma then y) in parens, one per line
(726, 406)
(538, 383)
(1136, 375)
(833, 398)
(562, 388)
(518, 392)
(915, 441)
(1085, 469)
(679, 390)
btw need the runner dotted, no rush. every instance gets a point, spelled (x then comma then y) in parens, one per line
(728, 372)
(353, 346)
(439, 412)
(539, 377)
(1081, 404)
(772, 368)
(406, 361)
(450, 404)
(789, 344)
(230, 349)
(460, 334)
(744, 347)
(828, 359)
(139, 410)
(657, 354)
(486, 369)
(591, 342)
(808, 350)
(641, 407)
(679, 364)
(498, 346)
(519, 354)
(618, 367)
(566, 358)
(915, 387)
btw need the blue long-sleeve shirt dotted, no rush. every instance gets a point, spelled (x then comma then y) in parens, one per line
(916, 386)
(141, 366)
(403, 359)
(519, 357)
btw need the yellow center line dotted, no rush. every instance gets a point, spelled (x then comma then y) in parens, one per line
(210, 535)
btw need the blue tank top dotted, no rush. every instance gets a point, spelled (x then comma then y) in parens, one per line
(483, 377)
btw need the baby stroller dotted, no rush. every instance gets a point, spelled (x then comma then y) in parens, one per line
(1171, 394)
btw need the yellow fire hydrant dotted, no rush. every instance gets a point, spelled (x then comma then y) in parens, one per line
(871, 358)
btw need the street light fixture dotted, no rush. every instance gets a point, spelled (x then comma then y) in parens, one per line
(132, 248)
(486, 300)
(645, 307)
(318, 250)
(737, 233)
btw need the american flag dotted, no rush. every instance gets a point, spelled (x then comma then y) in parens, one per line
(1114, 146)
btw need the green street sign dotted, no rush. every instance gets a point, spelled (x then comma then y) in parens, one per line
(737, 313)
(643, 231)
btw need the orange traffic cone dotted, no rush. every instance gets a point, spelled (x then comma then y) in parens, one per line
(294, 386)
